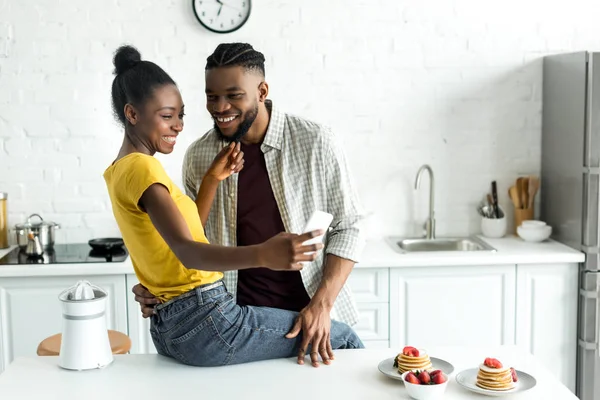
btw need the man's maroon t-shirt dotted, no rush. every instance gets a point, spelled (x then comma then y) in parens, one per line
(258, 219)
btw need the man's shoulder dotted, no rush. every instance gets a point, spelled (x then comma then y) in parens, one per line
(302, 130)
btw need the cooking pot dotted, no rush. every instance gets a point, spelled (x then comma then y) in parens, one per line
(44, 230)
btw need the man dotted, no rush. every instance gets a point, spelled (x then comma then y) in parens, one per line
(291, 168)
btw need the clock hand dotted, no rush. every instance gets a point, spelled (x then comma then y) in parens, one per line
(229, 5)
(220, 8)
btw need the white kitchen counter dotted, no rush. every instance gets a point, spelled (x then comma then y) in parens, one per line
(510, 250)
(352, 375)
(377, 254)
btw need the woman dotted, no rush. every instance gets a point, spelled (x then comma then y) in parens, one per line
(198, 322)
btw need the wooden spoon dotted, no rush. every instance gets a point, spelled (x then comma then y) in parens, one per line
(525, 192)
(534, 185)
(514, 196)
(519, 187)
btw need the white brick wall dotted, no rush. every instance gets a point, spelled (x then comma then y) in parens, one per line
(452, 83)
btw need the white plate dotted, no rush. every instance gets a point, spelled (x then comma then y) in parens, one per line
(468, 377)
(386, 367)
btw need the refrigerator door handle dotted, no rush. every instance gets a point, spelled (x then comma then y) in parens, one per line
(588, 294)
(588, 345)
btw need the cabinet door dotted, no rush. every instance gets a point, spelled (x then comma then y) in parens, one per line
(547, 316)
(139, 327)
(370, 287)
(30, 310)
(452, 306)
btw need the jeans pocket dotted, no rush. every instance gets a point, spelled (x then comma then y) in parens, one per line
(158, 343)
(202, 345)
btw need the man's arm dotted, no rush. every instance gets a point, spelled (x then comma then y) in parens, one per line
(343, 247)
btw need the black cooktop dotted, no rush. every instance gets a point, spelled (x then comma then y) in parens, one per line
(75, 253)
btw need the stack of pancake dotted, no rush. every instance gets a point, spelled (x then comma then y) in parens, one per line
(409, 363)
(497, 379)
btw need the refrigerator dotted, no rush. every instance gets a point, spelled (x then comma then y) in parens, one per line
(570, 189)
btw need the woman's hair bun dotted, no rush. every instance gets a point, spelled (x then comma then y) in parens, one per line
(126, 57)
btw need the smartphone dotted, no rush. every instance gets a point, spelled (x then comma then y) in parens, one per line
(318, 220)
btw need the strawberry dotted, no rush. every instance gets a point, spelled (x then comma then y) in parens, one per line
(433, 373)
(439, 378)
(410, 351)
(514, 374)
(411, 378)
(424, 377)
(492, 363)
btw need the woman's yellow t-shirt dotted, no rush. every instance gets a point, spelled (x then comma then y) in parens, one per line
(155, 264)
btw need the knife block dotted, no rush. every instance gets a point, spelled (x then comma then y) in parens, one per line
(522, 214)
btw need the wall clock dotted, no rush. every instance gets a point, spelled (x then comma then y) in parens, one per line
(222, 16)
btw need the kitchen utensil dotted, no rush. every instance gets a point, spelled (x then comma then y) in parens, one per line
(387, 368)
(3, 220)
(490, 202)
(513, 193)
(106, 245)
(525, 192)
(44, 230)
(495, 199)
(34, 247)
(534, 185)
(519, 186)
(468, 380)
(85, 343)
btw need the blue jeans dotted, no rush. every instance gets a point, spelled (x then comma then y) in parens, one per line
(205, 327)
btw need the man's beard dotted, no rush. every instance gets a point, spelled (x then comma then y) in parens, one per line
(242, 129)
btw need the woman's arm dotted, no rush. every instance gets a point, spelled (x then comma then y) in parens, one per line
(282, 252)
(229, 161)
(205, 197)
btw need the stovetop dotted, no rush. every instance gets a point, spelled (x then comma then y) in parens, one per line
(75, 253)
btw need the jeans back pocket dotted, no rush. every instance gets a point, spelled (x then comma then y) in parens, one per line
(200, 344)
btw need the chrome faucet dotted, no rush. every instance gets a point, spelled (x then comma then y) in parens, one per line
(430, 224)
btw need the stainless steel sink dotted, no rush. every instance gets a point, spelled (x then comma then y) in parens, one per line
(440, 244)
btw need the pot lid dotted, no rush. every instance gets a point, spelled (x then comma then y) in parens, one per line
(82, 291)
(35, 224)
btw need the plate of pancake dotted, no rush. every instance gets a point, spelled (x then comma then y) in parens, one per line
(394, 367)
(494, 381)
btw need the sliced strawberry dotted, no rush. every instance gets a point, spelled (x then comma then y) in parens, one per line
(410, 351)
(514, 374)
(439, 378)
(492, 363)
(412, 378)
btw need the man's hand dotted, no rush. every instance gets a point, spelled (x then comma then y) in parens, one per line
(315, 323)
(146, 299)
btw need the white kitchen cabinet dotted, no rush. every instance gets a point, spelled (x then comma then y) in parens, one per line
(452, 306)
(139, 327)
(370, 287)
(547, 316)
(30, 310)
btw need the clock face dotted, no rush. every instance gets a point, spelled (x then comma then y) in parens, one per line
(222, 16)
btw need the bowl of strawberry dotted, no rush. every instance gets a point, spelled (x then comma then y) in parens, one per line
(425, 385)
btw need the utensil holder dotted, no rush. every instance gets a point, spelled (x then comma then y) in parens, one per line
(522, 214)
